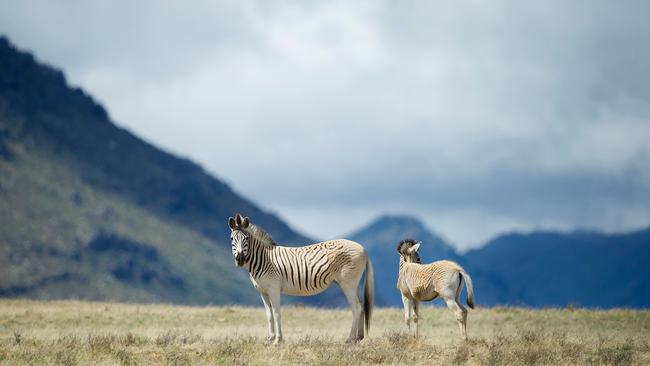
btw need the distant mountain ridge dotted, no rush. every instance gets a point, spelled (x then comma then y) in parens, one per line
(582, 268)
(555, 269)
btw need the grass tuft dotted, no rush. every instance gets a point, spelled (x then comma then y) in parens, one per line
(17, 337)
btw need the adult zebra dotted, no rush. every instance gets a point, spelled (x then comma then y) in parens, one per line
(302, 271)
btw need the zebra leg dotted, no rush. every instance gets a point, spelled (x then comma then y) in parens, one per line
(462, 308)
(416, 315)
(269, 317)
(274, 296)
(407, 312)
(461, 314)
(356, 333)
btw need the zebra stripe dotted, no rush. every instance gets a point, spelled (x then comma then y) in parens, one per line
(302, 271)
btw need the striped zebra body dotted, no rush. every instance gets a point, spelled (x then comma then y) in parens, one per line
(302, 271)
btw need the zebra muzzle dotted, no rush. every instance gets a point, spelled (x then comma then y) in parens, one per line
(239, 258)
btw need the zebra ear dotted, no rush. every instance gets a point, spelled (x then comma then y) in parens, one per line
(414, 248)
(245, 223)
(232, 223)
(238, 219)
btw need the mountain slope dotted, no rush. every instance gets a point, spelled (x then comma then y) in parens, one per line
(380, 238)
(87, 210)
(62, 238)
(66, 121)
(552, 269)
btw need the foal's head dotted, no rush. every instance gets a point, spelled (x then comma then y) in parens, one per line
(408, 249)
(240, 237)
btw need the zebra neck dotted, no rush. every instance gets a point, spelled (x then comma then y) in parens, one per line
(402, 262)
(403, 265)
(257, 255)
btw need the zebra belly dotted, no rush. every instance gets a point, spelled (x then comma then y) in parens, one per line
(294, 290)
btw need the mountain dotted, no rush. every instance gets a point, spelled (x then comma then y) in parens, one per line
(44, 109)
(88, 210)
(538, 269)
(554, 269)
(380, 238)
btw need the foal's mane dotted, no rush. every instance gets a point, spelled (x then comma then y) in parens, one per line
(259, 234)
(409, 243)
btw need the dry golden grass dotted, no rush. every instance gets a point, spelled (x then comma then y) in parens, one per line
(94, 333)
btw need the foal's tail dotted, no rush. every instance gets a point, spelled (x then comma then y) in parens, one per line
(368, 294)
(470, 288)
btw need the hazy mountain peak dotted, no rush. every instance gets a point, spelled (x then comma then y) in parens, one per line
(381, 236)
(398, 227)
(397, 220)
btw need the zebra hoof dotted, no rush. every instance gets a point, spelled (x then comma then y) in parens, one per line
(353, 340)
(269, 340)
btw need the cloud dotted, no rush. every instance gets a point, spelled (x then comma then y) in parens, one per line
(479, 116)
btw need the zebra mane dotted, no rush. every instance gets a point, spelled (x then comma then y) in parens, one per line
(407, 243)
(261, 235)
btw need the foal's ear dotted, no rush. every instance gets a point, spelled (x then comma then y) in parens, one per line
(232, 223)
(414, 248)
(238, 219)
(245, 223)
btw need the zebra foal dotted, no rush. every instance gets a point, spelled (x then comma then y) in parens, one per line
(302, 271)
(425, 282)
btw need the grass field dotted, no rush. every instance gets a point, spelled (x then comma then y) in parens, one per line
(95, 333)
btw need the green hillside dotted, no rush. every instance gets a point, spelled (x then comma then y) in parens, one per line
(61, 237)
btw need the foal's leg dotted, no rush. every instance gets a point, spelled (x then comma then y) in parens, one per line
(460, 312)
(350, 291)
(416, 315)
(274, 296)
(269, 317)
(462, 308)
(407, 312)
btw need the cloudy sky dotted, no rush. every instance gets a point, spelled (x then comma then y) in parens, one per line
(476, 116)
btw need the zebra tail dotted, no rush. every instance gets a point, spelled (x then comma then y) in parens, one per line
(470, 289)
(368, 294)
